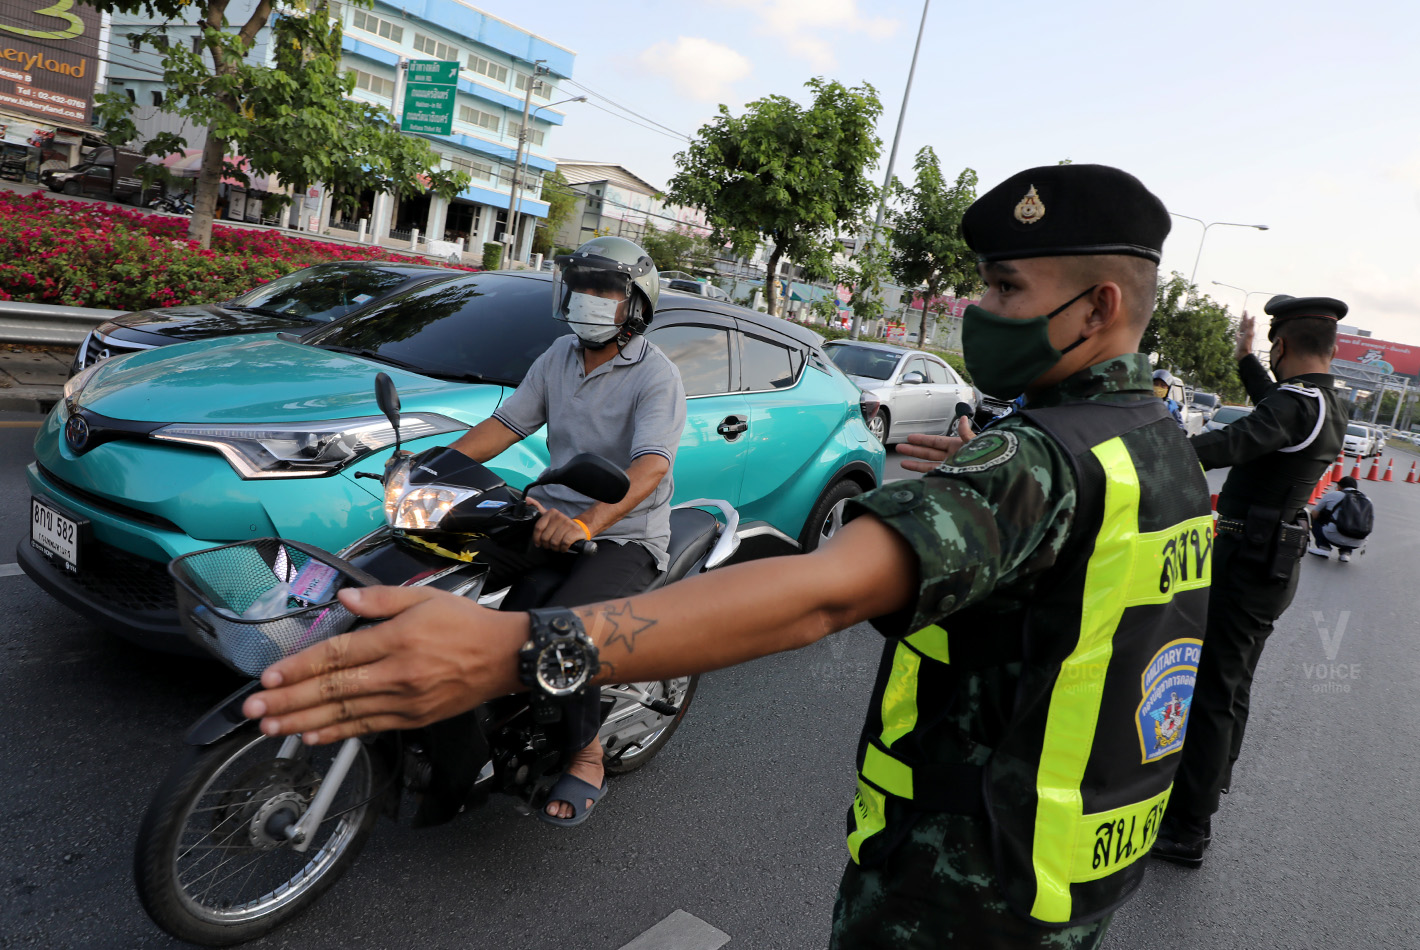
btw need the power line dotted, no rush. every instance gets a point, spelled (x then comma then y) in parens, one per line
(649, 128)
(605, 98)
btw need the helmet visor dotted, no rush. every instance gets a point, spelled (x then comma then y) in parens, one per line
(592, 278)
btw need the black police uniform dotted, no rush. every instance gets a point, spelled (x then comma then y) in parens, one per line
(1277, 454)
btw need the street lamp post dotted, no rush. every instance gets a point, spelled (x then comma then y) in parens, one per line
(1206, 225)
(515, 203)
(1246, 293)
(892, 155)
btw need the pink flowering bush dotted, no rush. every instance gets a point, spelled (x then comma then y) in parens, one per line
(101, 255)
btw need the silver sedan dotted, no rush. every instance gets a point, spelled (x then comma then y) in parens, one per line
(917, 391)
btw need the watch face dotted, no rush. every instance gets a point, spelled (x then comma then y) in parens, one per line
(562, 666)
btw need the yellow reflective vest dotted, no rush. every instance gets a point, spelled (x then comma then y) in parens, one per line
(1084, 747)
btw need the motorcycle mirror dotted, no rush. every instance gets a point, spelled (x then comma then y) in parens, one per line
(589, 475)
(387, 398)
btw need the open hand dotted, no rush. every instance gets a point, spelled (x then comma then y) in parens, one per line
(1244, 345)
(934, 449)
(438, 655)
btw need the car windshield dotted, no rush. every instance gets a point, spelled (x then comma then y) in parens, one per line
(863, 361)
(321, 293)
(487, 328)
(1357, 431)
(1229, 414)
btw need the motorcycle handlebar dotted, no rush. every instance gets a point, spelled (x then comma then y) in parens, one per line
(583, 547)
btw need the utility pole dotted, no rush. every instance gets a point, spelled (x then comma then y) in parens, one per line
(383, 209)
(510, 233)
(892, 155)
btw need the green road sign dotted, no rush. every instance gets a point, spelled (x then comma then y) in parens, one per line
(430, 90)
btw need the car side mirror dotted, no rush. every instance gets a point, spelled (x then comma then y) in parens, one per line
(387, 398)
(589, 475)
(914, 379)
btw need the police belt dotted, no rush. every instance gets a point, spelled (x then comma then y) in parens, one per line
(1229, 526)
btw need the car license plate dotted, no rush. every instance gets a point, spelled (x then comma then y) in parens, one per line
(54, 533)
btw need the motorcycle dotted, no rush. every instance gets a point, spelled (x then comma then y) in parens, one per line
(248, 830)
(178, 203)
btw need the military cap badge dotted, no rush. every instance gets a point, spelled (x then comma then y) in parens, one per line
(1030, 209)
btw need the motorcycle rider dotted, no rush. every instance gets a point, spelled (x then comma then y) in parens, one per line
(608, 390)
(1163, 382)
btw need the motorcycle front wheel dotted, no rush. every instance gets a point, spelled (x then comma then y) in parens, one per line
(209, 866)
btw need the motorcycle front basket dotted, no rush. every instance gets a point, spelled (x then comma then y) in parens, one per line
(255, 602)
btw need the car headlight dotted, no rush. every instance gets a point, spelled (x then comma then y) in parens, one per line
(304, 449)
(76, 383)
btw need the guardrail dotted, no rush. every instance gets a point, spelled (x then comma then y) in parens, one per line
(41, 324)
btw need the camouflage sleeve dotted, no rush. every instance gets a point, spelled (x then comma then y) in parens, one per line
(990, 519)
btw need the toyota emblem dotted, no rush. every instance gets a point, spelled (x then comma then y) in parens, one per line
(76, 432)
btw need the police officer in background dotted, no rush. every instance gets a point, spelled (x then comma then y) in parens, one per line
(1042, 624)
(1277, 454)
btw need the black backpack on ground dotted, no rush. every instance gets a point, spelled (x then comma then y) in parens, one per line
(1353, 515)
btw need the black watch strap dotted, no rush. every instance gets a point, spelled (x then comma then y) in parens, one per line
(547, 625)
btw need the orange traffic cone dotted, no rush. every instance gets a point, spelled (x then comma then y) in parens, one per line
(1389, 475)
(1374, 474)
(1316, 492)
(1356, 469)
(1339, 469)
(1411, 479)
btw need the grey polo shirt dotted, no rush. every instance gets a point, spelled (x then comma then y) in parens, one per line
(630, 406)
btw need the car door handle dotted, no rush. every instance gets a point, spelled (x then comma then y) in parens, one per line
(732, 427)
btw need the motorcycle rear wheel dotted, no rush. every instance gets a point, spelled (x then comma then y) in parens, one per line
(207, 868)
(678, 692)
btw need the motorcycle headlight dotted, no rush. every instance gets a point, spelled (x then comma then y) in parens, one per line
(424, 506)
(304, 449)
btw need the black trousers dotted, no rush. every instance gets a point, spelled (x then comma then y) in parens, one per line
(575, 580)
(1242, 607)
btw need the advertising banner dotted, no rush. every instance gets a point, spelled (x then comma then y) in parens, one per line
(1383, 355)
(49, 59)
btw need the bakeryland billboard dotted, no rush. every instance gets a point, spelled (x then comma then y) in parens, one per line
(48, 60)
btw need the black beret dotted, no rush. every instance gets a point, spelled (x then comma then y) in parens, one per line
(1067, 210)
(1284, 307)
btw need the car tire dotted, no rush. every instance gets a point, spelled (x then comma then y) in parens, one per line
(73, 189)
(827, 516)
(880, 425)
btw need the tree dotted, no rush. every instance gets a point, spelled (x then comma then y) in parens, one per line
(864, 274)
(1194, 336)
(677, 248)
(561, 199)
(294, 120)
(782, 173)
(929, 253)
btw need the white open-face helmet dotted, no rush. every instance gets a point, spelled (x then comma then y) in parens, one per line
(603, 266)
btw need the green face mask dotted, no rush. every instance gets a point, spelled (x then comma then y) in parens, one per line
(1004, 356)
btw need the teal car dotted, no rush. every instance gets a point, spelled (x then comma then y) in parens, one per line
(167, 451)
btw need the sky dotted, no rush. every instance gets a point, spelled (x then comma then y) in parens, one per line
(1302, 116)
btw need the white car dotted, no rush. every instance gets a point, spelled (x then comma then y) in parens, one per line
(916, 391)
(1358, 440)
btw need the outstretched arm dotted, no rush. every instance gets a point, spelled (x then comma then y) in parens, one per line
(441, 654)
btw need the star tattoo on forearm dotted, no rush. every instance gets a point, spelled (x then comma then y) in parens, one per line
(618, 623)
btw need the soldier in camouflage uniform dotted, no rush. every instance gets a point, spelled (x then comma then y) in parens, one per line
(1012, 770)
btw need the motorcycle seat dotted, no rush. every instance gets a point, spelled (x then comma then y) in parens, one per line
(693, 532)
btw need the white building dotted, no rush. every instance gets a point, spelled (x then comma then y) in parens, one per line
(497, 62)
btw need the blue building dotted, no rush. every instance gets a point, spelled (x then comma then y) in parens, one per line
(497, 62)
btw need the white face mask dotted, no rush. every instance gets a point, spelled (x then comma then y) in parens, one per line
(592, 318)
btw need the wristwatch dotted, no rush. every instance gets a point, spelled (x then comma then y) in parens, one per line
(557, 662)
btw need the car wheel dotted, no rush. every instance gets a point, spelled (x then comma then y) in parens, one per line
(73, 189)
(879, 426)
(827, 517)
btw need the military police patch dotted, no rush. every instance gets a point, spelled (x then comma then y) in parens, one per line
(1167, 684)
(986, 451)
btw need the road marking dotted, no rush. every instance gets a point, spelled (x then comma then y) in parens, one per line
(680, 931)
(9, 570)
(22, 425)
